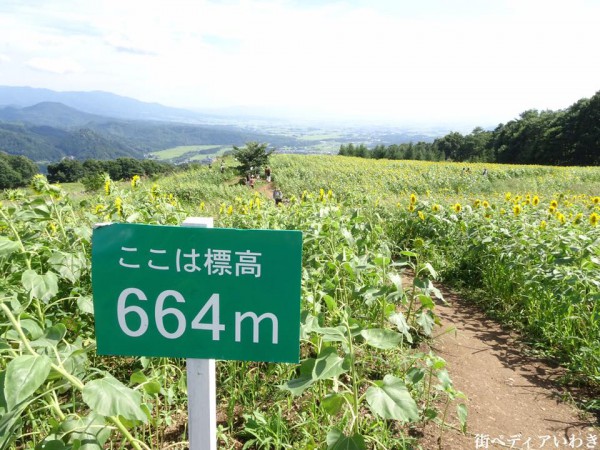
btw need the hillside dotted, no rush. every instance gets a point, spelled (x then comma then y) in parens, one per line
(47, 144)
(50, 114)
(49, 131)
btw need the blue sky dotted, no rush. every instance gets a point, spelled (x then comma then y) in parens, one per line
(468, 62)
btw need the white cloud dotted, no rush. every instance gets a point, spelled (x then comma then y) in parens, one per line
(4, 58)
(59, 66)
(402, 60)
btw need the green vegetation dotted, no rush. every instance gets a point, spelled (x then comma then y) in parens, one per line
(189, 151)
(252, 157)
(72, 170)
(15, 171)
(109, 138)
(376, 235)
(566, 137)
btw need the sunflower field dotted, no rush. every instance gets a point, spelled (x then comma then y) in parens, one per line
(523, 241)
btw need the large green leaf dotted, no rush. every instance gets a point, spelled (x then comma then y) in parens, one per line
(31, 328)
(336, 440)
(426, 320)
(52, 336)
(85, 305)
(87, 433)
(330, 334)
(109, 397)
(390, 399)
(329, 365)
(10, 421)
(7, 247)
(332, 403)
(43, 287)
(381, 338)
(444, 378)
(298, 385)
(24, 375)
(399, 320)
(70, 266)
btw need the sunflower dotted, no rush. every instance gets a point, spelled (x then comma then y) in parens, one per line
(594, 219)
(135, 181)
(119, 205)
(413, 199)
(543, 225)
(535, 201)
(517, 210)
(457, 208)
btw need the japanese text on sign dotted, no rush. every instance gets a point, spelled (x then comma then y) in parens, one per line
(197, 292)
(215, 261)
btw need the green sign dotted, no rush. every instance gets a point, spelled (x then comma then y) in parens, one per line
(189, 292)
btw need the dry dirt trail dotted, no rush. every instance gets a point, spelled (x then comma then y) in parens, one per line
(513, 399)
(266, 189)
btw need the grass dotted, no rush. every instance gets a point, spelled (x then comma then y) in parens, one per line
(176, 152)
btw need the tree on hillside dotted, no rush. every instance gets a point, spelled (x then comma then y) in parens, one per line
(450, 145)
(15, 171)
(65, 171)
(252, 157)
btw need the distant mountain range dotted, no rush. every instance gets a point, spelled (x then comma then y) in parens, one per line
(51, 114)
(98, 103)
(46, 126)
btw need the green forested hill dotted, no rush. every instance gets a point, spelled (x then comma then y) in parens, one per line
(50, 131)
(51, 114)
(43, 143)
(152, 136)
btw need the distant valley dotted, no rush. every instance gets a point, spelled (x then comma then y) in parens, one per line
(47, 126)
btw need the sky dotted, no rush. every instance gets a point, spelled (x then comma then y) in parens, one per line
(430, 62)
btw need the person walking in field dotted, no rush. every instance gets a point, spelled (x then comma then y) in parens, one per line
(268, 174)
(222, 167)
(277, 196)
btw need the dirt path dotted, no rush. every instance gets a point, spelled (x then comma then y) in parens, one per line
(266, 189)
(513, 399)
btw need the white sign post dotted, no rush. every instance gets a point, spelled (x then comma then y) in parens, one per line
(201, 385)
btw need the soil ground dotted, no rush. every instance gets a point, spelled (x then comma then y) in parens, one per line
(514, 400)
